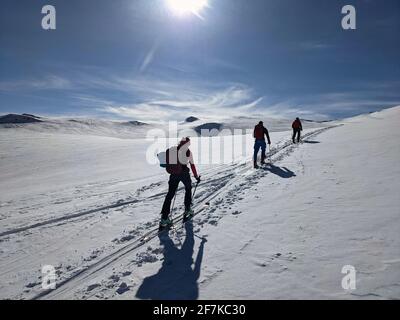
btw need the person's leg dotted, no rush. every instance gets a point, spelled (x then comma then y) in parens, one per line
(187, 181)
(173, 185)
(263, 151)
(256, 149)
(298, 135)
(294, 135)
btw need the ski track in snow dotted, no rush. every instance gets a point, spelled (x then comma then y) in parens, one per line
(115, 230)
(224, 190)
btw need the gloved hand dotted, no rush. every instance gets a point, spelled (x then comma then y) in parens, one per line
(198, 179)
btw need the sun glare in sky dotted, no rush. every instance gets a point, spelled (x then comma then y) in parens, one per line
(184, 7)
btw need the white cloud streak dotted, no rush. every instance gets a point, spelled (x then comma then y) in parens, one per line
(147, 98)
(233, 101)
(149, 58)
(49, 82)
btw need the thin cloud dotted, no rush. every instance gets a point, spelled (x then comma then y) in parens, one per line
(50, 82)
(327, 106)
(149, 57)
(91, 100)
(233, 101)
(150, 98)
(312, 45)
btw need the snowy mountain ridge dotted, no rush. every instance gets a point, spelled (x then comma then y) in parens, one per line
(132, 129)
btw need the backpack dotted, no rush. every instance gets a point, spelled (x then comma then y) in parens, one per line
(164, 157)
(296, 124)
(259, 132)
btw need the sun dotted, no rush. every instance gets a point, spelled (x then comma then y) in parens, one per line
(184, 7)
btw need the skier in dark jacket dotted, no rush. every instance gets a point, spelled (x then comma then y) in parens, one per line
(177, 160)
(297, 128)
(259, 134)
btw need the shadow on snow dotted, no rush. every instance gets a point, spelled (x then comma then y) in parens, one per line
(281, 172)
(176, 280)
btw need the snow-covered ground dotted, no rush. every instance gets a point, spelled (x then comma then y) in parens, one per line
(81, 202)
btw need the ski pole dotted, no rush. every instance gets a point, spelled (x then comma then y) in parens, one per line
(269, 153)
(195, 188)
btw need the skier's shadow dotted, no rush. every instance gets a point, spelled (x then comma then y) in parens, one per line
(281, 172)
(176, 280)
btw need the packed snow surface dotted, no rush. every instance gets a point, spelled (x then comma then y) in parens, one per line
(81, 197)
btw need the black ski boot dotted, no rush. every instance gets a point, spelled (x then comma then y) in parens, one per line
(165, 224)
(188, 215)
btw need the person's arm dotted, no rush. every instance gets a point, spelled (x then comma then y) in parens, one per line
(301, 126)
(254, 133)
(267, 134)
(193, 167)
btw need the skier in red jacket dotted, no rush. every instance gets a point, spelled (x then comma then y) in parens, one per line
(177, 160)
(297, 128)
(259, 134)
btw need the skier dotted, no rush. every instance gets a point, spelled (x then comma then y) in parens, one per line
(297, 128)
(259, 134)
(177, 160)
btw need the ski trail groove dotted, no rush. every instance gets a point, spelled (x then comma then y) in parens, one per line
(67, 285)
(91, 211)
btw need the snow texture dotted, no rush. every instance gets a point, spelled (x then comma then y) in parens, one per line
(81, 196)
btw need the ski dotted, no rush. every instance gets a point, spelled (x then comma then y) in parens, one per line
(187, 218)
(168, 228)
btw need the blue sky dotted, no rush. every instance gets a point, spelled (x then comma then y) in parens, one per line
(140, 60)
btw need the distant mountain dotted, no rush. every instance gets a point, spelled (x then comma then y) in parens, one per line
(17, 119)
(316, 121)
(81, 126)
(31, 115)
(209, 126)
(135, 123)
(191, 119)
(136, 129)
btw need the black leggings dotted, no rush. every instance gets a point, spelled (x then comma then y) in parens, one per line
(296, 132)
(173, 183)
